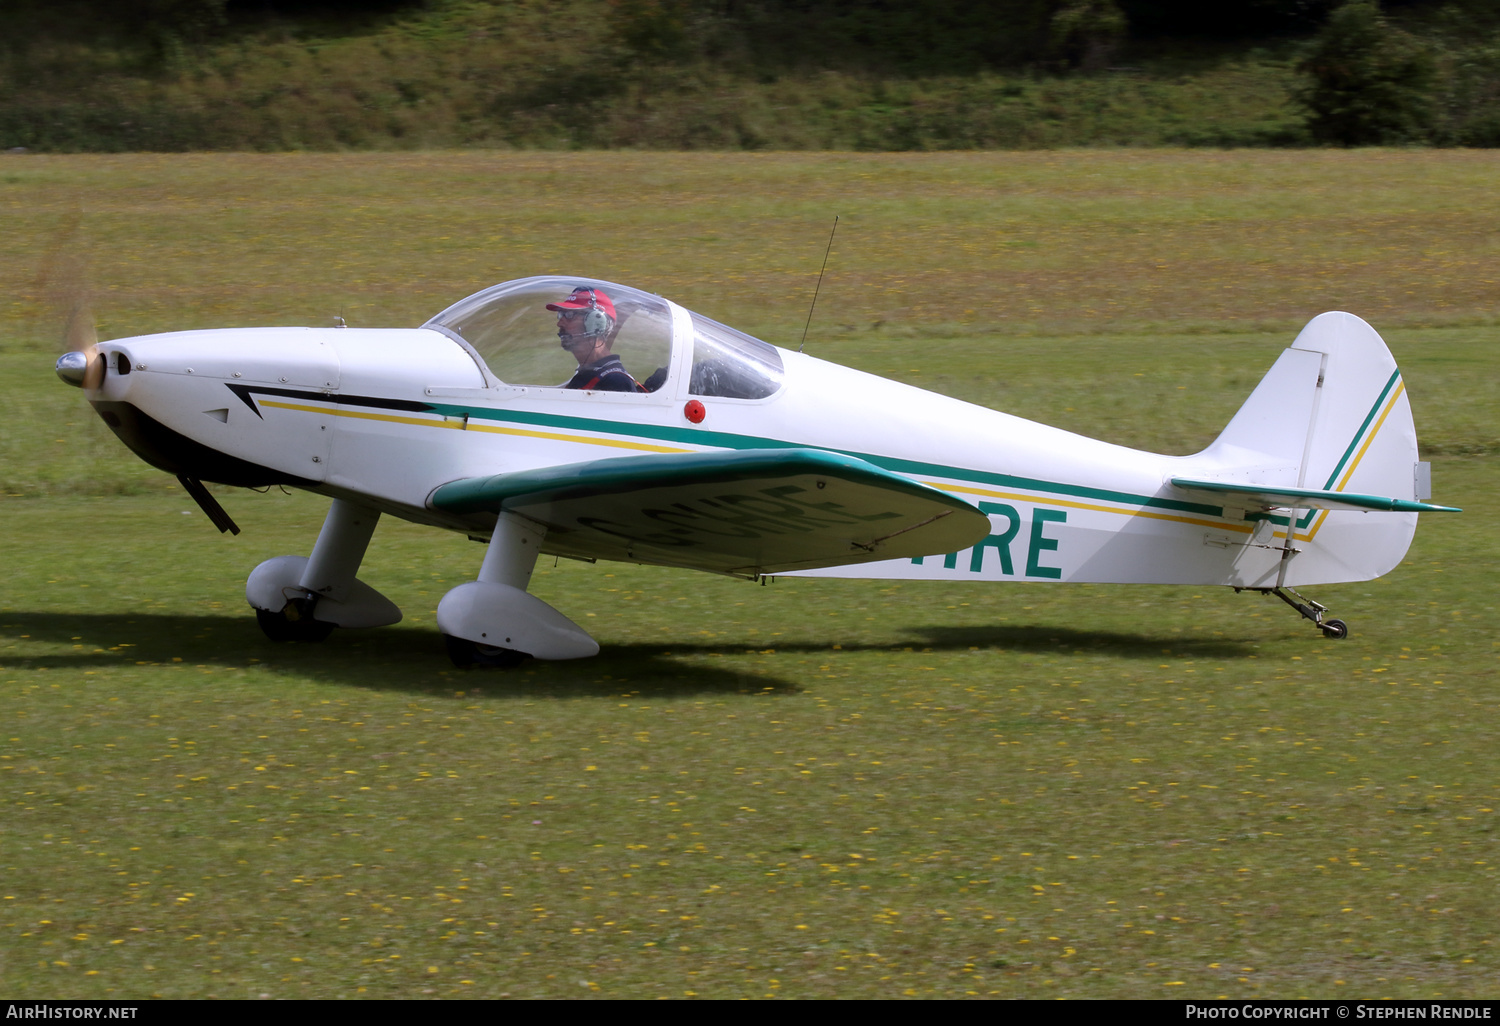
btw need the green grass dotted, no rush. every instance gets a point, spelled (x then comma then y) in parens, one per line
(1073, 241)
(814, 788)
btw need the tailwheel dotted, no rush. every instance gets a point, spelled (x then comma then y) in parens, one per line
(468, 654)
(293, 622)
(1310, 610)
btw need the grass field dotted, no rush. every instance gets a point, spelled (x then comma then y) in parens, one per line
(815, 788)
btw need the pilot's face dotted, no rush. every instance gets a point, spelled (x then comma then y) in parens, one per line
(570, 323)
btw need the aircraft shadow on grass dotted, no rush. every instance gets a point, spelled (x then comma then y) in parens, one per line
(403, 659)
(1067, 639)
(399, 660)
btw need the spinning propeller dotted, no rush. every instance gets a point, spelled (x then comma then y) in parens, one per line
(82, 365)
(63, 273)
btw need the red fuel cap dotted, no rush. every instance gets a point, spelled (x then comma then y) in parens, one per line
(694, 411)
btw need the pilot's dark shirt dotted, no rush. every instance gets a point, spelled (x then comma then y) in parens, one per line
(607, 375)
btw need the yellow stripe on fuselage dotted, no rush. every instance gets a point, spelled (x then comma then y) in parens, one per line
(459, 425)
(1049, 501)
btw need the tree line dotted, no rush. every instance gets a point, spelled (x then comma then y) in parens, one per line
(1401, 71)
(902, 36)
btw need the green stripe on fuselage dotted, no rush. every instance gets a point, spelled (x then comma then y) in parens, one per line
(725, 440)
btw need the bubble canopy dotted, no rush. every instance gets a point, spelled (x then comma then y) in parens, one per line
(521, 342)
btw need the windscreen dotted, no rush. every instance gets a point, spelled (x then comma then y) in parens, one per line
(522, 342)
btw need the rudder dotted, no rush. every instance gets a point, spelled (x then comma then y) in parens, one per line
(1331, 415)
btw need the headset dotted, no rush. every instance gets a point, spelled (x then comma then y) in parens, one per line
(596, 323)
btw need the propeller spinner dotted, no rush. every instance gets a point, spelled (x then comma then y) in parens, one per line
(81, 369)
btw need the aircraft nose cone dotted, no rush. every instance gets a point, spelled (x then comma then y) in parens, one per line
(71, 367)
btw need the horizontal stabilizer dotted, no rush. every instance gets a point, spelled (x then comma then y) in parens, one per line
(746, 512)
(1253, 496)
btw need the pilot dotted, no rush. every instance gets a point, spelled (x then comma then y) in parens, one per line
(586, 325)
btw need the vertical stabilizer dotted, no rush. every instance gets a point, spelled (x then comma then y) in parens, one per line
(1332, 415)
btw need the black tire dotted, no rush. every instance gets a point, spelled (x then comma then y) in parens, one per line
(467, 655)
(1334, 628)
(278, 628)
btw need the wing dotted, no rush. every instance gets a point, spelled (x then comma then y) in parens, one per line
(739, 512)
(1254, 496)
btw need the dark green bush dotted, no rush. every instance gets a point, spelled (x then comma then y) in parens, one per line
(1470, 114)
(1371, 82)
(1085, 34)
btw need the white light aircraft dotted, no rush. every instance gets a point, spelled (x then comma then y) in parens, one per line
(678, 441)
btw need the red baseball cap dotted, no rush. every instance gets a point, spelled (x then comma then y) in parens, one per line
(584, 298)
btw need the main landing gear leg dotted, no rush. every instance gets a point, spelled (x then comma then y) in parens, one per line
(1310, 610)
(493, 621)
(299, 599)
(509, 560)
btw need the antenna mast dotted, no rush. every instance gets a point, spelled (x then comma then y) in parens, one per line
(819, 287)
